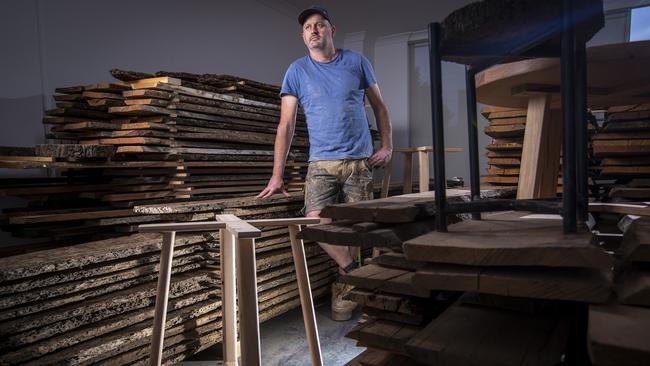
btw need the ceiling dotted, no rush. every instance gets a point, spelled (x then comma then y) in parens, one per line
(376, 17)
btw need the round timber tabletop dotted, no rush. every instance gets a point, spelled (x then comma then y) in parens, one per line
(617, 74)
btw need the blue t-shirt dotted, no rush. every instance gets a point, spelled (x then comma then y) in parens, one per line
(332, 95)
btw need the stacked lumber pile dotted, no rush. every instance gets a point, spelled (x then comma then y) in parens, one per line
(146, 139)
(194, 124)
(147, 148)
(506, 128)
(93, 303)
(623, 148)
(508, 290)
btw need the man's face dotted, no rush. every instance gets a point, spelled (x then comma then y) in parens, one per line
(317, 32)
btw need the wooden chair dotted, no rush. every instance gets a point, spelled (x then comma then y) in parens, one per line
(237, 244)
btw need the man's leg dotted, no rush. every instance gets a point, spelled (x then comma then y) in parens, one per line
(343, 256)
(322, 188)
(358, 186)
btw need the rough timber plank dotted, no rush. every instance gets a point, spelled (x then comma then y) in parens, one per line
(384, 334)
(603, 148)
(374, 357)
(27, 330)
(634, 208)
(508, 240)
(216, 205)
(618, 335)
(103, 334)
(75, 151)
(140, 110)
(574, 284)
(392, 280)
(633, 287)
(397, 209)
(635, 246)
(498, 131)
(382, 236)
(39, 299)
(387, 302)
(470, 335)
(82, 255)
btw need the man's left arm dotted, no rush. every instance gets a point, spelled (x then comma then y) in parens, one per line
(384, 153)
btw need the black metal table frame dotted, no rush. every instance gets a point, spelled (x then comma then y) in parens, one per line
(574, 204)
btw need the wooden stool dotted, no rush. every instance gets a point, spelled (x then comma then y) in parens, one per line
(423, 172)
(237, 243)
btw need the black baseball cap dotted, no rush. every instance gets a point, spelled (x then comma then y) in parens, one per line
(315, 9)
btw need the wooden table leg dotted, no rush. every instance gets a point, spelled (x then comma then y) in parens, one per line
(423, 164)
(306, 301)
(228, 298)
(249, 325)
(408, 173)
(540, 156)
(162, 295)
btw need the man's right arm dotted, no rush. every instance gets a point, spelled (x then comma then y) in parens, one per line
(286, 127)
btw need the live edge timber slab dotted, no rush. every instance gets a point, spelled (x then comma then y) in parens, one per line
(619, 335)
(635, 246)
(572, 284)
(401, 209)
(367, 234)
(508, 240)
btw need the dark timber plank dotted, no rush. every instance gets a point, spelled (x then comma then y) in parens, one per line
(619, 335)
(508, 240)
(575, 284)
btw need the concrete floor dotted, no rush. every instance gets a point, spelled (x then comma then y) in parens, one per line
(284, 343)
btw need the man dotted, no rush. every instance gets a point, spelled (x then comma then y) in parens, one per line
(330, 84)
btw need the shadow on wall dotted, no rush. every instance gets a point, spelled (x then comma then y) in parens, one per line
(21, 125)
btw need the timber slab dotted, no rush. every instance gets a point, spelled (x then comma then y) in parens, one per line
(402, 209)
(619, 335)
(572, 284)
(508, 239)
(636, 241)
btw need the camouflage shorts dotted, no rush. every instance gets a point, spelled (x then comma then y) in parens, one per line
(335, 181)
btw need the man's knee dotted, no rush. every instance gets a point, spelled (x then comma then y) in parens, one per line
(323, 220)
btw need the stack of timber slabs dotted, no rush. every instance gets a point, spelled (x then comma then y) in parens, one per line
(623, 143)
(504, 153)
(116, 159)
(207, 133)
(506, 127)
(93, 303)
(219, 83)
(54, 291)
(506, 288)
(619, 332)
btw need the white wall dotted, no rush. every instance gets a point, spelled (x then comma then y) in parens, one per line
(454, 112)
(397, 66)
(21, 101)
(48, 44)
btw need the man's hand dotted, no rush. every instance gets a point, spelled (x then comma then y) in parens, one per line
(380, 157)
(275, 185)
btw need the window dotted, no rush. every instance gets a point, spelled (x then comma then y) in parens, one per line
(640, 24)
